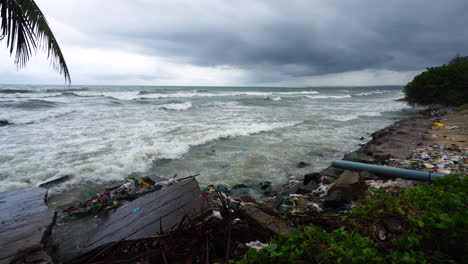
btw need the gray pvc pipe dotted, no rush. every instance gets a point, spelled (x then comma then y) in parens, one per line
(387, 171)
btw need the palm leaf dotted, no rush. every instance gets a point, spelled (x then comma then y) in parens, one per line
(26, 29)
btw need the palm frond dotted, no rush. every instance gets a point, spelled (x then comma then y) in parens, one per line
(26, 29)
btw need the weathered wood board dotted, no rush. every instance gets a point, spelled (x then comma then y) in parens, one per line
(151, 214)
(24, 221)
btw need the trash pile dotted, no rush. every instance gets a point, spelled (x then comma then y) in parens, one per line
(435, 158)
(115, 196)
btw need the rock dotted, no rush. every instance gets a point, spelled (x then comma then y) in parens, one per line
(327, 180)
(362, 138)
(334, 199)
(315, 176)
(368, 175)
(358, 156)
(302, 164)
(349, 187)
(4, 123)
(303, 189)
(292, 189)
(332, 172)
(269, 222)
(275, 202)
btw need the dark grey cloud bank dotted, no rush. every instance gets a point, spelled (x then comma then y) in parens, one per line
(282, 38)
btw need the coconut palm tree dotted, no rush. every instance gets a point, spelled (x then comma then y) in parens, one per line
(25, 29)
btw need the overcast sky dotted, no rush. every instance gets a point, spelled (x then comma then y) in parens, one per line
(281, 43)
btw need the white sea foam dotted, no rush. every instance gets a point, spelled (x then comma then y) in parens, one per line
(177, 107)
(116, 155)
(101, 142)
(347, 117)
(223, 94)
(28, 95)
(328, 96)
(195, 93)
(131, 95)
(370, 93)
(24, 117)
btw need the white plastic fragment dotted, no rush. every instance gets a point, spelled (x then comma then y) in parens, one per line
(256, 244)
(382, 235)
(314, 207)
(398, 182)
(215, 214)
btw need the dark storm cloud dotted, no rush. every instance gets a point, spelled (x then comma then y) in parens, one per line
(291, 38)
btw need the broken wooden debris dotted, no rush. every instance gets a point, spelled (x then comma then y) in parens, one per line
(25, 222)
(55, 182)
(150, 215)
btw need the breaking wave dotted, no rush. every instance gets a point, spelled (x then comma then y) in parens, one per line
(328, 96)
(177, 107)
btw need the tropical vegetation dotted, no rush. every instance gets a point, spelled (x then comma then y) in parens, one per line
(25, 29)
(442, 85)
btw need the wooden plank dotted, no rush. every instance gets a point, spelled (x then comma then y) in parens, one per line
(24, 220)
(154, 201)
(143, 217)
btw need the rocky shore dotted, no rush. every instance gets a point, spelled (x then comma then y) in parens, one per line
(217, 223)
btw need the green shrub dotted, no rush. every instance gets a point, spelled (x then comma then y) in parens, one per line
(444, 85)
(434, 216)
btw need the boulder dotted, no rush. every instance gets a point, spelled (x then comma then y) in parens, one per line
(306, 188)
(332, 172)
(315, 176)
(349, 187)
(275, 225)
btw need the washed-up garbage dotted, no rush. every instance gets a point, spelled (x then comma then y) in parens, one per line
(435, 158)
(397, 183)
(256, 245)
(215, 214)
(437, 124)
(131, 189)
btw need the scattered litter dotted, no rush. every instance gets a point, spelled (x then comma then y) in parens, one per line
(435, 158)
(256, 245)
(382, 235)
(136, 209)
(224, 166)
(321, 191)
(215, 214)
(397, 183)
(437, 124)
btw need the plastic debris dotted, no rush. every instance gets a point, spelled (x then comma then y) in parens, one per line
(131, 189)
(215, 214)
(437, 124)
(397, 183)
(256, 245)
(382, 235)
(435, 158)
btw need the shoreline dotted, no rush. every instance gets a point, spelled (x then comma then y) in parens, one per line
(305, 201)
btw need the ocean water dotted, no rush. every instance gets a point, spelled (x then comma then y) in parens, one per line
(103, 134)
